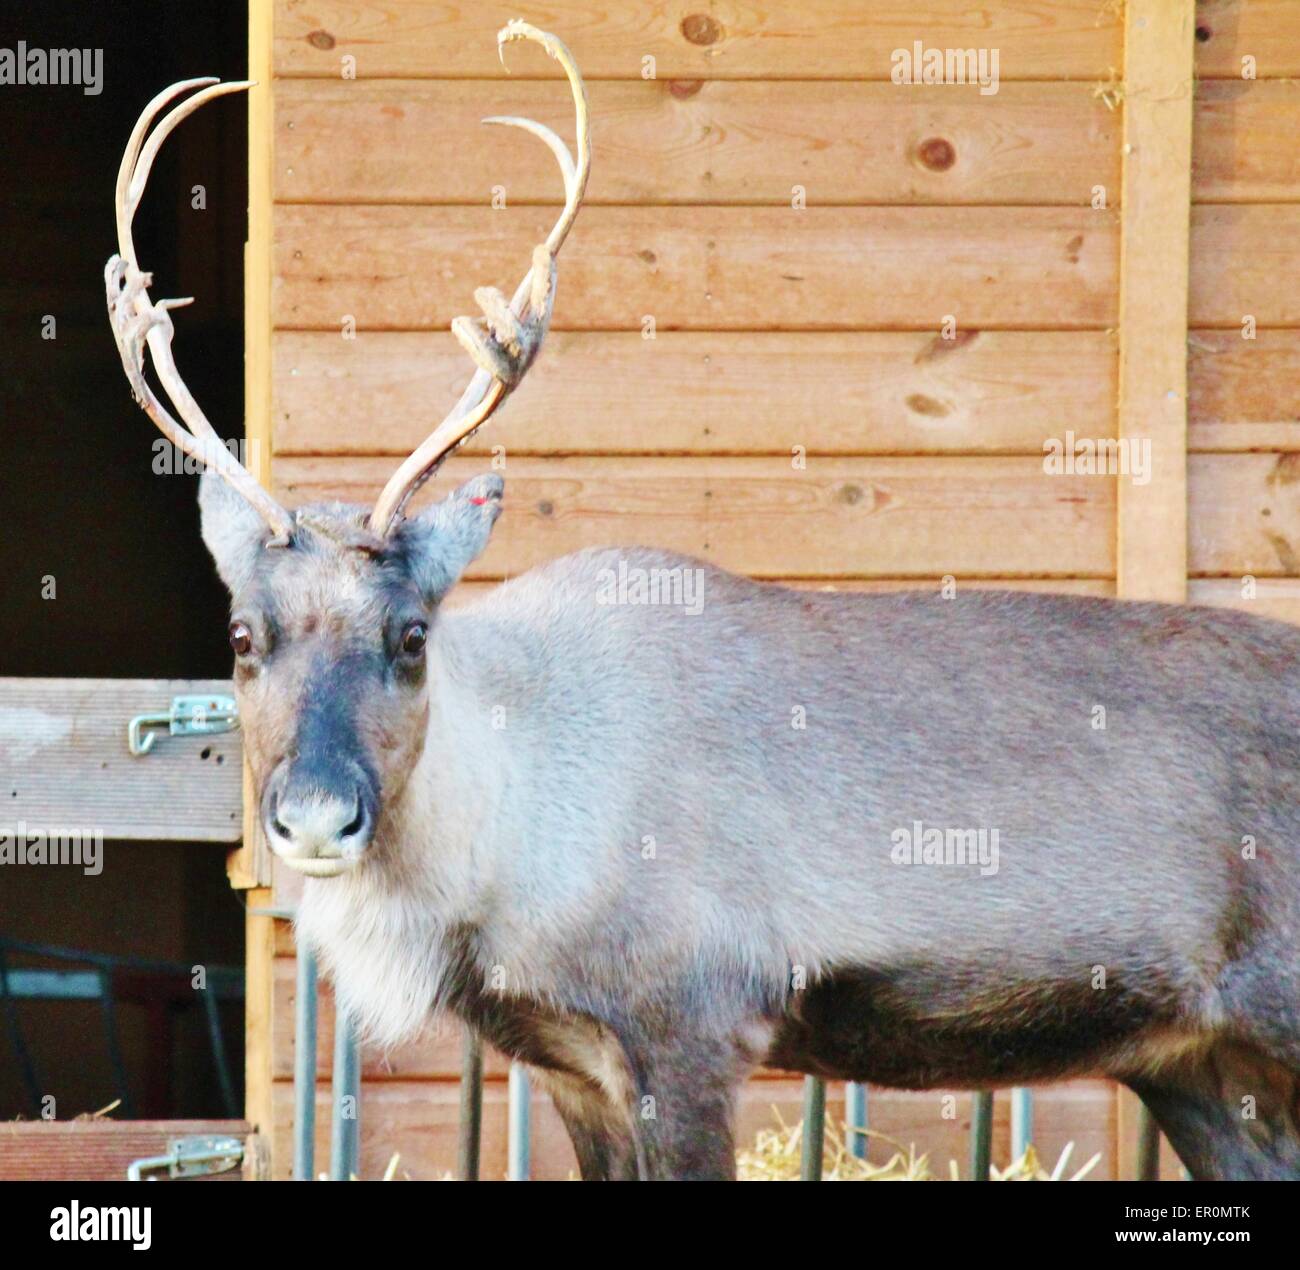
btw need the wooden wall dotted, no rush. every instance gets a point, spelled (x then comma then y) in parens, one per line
(780, 330)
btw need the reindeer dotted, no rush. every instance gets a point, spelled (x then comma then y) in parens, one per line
(645, 849)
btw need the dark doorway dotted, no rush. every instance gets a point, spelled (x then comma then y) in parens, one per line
(85, 507)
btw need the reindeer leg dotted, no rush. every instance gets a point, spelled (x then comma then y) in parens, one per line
(599, 1130)
(1231, 1114)
(684, 1108)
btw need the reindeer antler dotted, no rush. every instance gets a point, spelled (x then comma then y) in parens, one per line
(505, 340)
(137, 320)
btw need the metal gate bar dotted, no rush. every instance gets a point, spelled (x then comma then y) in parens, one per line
(345, 1127)
(113, 1040)
(25, 1064)
(304, 1069)
(345, 1131)
(471, 1107)
(1022, 1121)
(855, 1119)
(218, 1045)
(814, 1129)
(519, 1126)
(981, 1135)
(109, 979)
(981, 1138)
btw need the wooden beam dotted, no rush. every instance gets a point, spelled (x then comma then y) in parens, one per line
(1154, 235)
(612, 392)
(257, 250)
(832, 392)
(401, 267)
(716, 142)
(721, 142)
(762, 515)
(250, 865)
(1151, 557)
(259, 1015)
(814, 39)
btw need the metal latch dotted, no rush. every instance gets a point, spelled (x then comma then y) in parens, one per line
(188, 716)
(190, 1157)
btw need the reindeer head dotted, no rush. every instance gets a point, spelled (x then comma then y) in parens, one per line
(333, 605)
(330, 640)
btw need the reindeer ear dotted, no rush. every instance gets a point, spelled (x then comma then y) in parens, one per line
(447, 538)
(233, 531)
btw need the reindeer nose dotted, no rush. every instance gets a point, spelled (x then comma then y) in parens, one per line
(317, 831)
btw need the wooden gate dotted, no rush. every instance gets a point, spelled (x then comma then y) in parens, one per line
(71, 783)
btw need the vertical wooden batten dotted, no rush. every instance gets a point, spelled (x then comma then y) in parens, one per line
(259, 1003)
(1151, 556)
(1156, 205)
(250, 865)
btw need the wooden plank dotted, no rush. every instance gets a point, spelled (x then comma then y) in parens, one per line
(417, 1120)
(993, 392)
(1152, 516)
(1245, 516)
(250, 864)
(988, 392)
(1266, 30)
(1244, 257)
(837, 518)
(674, 141)
(251, 868)
(1241, 392)
(1243, 141)
(101, 1150)
(260, 1020)
(1277, 598)
(258, 258)
(1056, 586)
(283, 935)
(68, 769)
(815, 39)
(735, 268)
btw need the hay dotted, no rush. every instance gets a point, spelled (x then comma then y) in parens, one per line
(1110, 91)
(775, 1157)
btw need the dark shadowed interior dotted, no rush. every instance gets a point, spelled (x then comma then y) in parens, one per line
(135, 595)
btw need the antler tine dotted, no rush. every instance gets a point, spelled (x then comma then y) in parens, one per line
(576, 187)
(123, 205)
(149, 152)
(541, 131)
(137, 320)
(505, 341)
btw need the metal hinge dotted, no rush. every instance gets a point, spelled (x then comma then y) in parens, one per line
(190, 1157)
(188, 716)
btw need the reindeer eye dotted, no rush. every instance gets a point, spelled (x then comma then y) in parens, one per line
(413, 638)
(241, 639)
